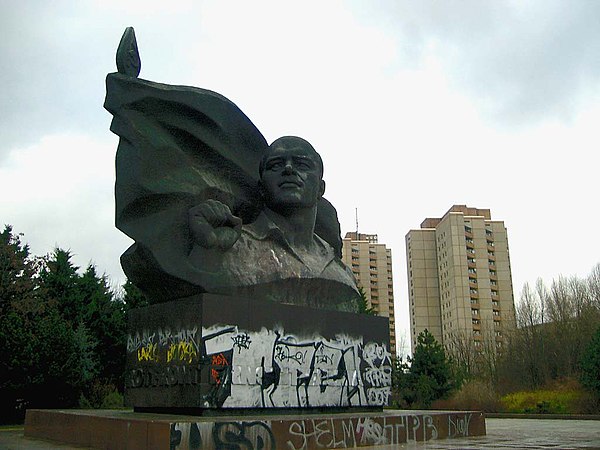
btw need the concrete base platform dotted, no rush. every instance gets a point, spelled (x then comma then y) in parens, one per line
(129, 430)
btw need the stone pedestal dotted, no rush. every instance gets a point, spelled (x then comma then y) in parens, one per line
(132, 431)
(219, 352)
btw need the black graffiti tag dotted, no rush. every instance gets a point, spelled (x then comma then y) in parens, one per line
(241, 341)
(243, 436)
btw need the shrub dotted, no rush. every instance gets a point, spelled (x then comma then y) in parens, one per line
(473, 395)
(102, 395)
(113, 400)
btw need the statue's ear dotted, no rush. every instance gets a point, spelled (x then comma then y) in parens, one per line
(322, 188)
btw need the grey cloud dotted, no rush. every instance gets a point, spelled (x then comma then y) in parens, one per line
(523, 61)
(54, 57)
(47, 56)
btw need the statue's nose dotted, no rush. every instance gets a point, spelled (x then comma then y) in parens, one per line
(288, 168)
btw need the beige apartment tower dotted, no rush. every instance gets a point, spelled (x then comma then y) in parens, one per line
(371, 264)
(459, 279)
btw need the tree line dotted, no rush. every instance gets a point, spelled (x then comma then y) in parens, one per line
(63, 339)
(556, 327)
(62, 331)
(556, 339)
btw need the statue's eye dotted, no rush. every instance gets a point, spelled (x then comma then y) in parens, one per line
(274, 165)
(305, 164)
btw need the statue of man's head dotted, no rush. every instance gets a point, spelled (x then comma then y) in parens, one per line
(291, 175)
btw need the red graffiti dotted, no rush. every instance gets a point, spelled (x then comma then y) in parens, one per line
(219, 361)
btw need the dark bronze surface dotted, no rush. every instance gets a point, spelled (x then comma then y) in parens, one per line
(204, 214)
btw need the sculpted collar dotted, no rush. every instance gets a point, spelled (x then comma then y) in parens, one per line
(263, 229)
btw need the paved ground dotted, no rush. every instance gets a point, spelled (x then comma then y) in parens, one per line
(523, 434)
(501, 434)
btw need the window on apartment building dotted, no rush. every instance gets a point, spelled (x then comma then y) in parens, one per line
(474, 312)
(474, 301)
(476, 333)
(495, 303)
(496, 313)
(475, 321)
(468, 229)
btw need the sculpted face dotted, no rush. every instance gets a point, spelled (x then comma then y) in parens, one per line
(291, 174)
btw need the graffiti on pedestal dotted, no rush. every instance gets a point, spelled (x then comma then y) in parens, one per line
(320, 432)
(266, 368)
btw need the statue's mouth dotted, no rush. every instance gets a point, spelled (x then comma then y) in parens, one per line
(290, 184)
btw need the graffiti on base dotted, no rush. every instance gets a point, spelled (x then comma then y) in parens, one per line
(314, 433)
(367, 431)
(458, 426)
(255, 435)
(266, 368)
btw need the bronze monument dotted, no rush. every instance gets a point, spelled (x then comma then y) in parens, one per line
(211, 207)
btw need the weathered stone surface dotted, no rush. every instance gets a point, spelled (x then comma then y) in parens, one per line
(211, 351)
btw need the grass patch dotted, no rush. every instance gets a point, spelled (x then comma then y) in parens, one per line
(543, 402)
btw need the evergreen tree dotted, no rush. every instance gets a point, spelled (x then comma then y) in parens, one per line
(104, 317)
(18, 309)
(58, 279)
(56, 370)
(133, 297)
(363, 304)
(430, 375)
(590, 365)
(17, 270)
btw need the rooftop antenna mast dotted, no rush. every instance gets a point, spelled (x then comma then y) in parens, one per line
(356, 213)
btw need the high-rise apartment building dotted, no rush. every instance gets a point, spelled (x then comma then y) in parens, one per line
(459, 279)
(371, 264)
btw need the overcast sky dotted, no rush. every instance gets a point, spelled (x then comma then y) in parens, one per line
(413, 105)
